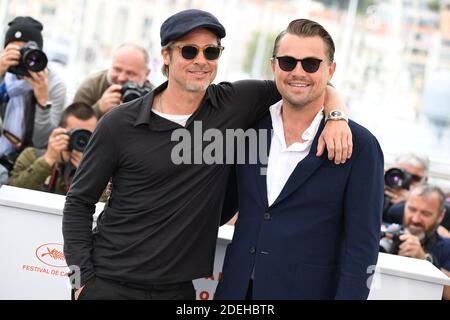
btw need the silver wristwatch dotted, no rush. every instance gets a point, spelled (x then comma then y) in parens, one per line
(336, 115)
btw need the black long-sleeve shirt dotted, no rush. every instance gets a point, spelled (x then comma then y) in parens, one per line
(161, 222)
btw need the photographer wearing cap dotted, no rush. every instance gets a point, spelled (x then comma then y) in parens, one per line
(52, 169)
(106, 89)
(424, 211)
(31, 95)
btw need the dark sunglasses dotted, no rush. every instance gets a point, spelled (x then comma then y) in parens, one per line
(287, 63)
(190, 51)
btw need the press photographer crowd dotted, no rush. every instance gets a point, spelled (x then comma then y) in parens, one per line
(44, 136)
(416, 214)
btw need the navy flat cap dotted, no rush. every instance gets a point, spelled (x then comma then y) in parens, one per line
(181, 23)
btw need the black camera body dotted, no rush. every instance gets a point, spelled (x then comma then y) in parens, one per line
(397, 178)
(78, 139)
(131, 90)
(388, 245)
(32, 58)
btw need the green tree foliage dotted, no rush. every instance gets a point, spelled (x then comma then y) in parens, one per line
(434, 5)
(250, 55)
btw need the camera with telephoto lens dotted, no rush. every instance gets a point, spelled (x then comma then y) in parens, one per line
(397, 178)
(390, 238)
(131, 90)
(78, 139)
(32, 58)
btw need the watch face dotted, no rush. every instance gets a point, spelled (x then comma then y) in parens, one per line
(335, 114)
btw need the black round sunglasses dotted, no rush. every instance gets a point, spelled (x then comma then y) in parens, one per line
(288, 63)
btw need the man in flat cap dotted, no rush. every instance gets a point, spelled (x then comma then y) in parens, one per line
(159, 227)
(31, 103)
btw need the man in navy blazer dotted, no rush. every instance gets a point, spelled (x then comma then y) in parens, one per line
(307, 228)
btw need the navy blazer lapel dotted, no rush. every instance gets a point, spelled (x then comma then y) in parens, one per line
(304, 168)
(260, 170)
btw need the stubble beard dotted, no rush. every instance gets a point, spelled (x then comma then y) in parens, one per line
(192, 86)
(298, 104)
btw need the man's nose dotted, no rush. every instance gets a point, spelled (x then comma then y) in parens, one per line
(200, 58)
(298, 70)
(122, 78)
(415, 218)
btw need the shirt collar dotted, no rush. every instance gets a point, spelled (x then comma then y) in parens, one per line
(278, 128)
(145, 109)
(145, 115)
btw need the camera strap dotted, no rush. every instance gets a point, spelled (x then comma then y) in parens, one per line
(51, 186)
(69, 172)
(13, 139)
(64, 170)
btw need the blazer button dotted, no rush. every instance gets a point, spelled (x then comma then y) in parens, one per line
(252, 249)
(267, 216)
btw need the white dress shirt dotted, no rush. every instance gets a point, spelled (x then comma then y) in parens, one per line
(283, 160)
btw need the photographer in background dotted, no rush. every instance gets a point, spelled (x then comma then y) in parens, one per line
(106, 89)
(52, 169)
(31, 95)
(411, 170)
(424, 211)
(408, 171)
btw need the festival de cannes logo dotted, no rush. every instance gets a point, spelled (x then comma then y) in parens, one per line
(51, 254)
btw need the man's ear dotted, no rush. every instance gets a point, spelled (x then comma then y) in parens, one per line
(331, 70)
(166, 56)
